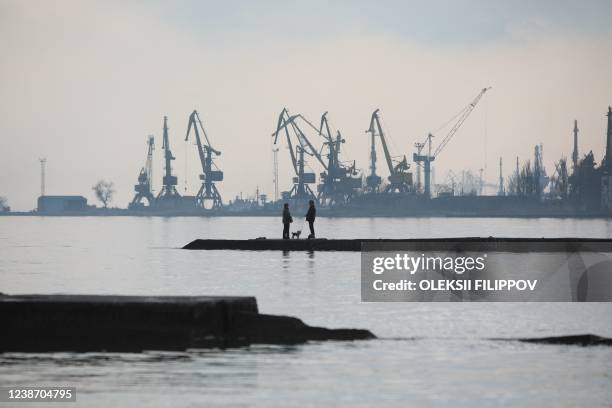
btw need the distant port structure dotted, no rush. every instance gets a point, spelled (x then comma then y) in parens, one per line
(578, 187)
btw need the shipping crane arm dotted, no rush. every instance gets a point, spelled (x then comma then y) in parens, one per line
(375, 121)
(292, 120)
(463, 115)
(325, 124)
(193, 125)
(282, 125)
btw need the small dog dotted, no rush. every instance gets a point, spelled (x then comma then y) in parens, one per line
(296, 234)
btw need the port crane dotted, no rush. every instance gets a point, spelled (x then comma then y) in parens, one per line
(168, 192)
(208, 196)
(400, 180)
(288, 125)
(145, 177)
(431, 156)
(338, 183)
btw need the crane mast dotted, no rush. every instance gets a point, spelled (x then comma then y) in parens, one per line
(168, 191)
(373, 180)
(208, 192)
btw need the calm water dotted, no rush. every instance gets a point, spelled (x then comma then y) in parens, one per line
(427, 354)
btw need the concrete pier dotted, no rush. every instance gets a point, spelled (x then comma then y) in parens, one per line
(469, 243)
(46, 323)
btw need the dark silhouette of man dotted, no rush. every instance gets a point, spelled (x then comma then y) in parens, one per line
(310, 217)
(287, 220)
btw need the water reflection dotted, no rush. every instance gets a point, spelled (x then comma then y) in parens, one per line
(311, 262)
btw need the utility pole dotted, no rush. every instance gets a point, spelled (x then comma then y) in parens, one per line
(43, 163)
(428, 161)
(373, 156)
(149, 163)
(517, 179)
(517, 166)
(275, 170)
(433, 177)
(502, 190)
(609, 140)
(419, 147)
(575, 152)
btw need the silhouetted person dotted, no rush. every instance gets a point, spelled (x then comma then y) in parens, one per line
(310, 217)
(286, 221)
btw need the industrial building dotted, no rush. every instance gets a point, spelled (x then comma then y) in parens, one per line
(59, 204)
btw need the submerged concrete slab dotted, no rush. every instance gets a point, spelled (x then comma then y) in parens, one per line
(45, 323)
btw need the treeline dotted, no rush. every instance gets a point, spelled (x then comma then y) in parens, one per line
(582, 186)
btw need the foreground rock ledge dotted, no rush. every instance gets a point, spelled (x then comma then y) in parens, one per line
(45, 323)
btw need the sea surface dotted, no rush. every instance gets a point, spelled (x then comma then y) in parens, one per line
(427, 354)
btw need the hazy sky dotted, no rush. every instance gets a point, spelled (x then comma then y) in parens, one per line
(83, 84)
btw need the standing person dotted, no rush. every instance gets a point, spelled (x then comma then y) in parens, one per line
(286, 221)
(310, 217)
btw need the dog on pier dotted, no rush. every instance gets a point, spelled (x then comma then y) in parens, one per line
(296, 234)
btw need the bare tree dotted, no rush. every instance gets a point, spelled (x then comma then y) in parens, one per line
(4, 205)
(559, 180)
(524, 183)
(104, 192)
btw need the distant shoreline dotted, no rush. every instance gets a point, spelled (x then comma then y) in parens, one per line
(126, 213)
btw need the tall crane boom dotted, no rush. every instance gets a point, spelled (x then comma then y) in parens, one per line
(149, 163)
(288, 120)
(375, 121)
(400, 180)
(282, 118)
(427, 159)
(463, 115)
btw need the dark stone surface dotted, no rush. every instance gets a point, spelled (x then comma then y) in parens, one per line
(468, 243)
(262, 244)
(578, 340)
(45, 323)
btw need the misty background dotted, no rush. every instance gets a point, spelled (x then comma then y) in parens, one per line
(84, 83)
